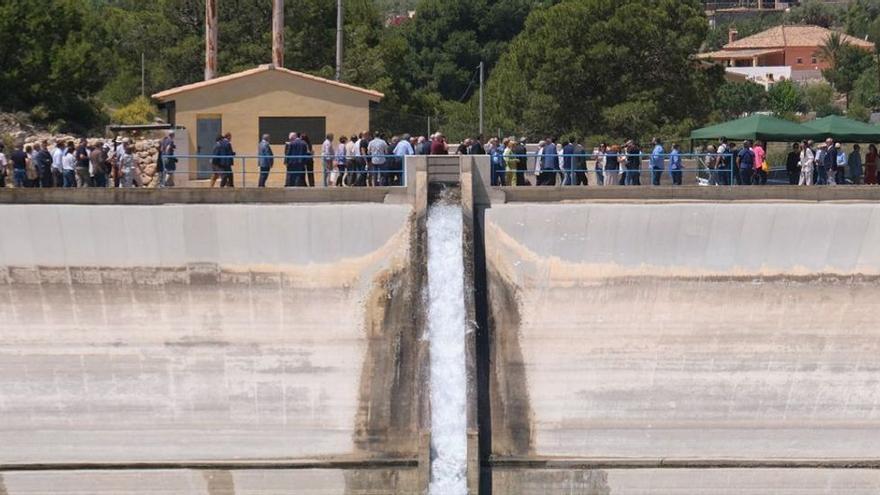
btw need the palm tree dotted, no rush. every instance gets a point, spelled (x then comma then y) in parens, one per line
(830, 51)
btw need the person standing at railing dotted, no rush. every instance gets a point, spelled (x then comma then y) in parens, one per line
(44, 164)
(98, 165)
(497, 162)
(82, 165)
(309, 161)
(351, 161)
(57, 156)
(265, 160)
(167, 155)
(792, 164)
(217, 161)
(227, 153)
(568, 162)
(871, 165)
(4, 165)
(327, 158)
(511, 162)
(402, 150)
(612, 165)
(746, 162)
(762, 168)
(68, 166)
(723, 163)
(854, 164)
(549, 163)
(633, 164)
(522, 164)
(840, 165)
(807, 163)
(295, 155)
(657, 161)
(339, 179)
(826, 166)
(599, 167)
(675, 164)
(580, 164)
(378, 148)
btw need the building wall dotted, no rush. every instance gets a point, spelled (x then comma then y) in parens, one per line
(240, 103)
(806, 54)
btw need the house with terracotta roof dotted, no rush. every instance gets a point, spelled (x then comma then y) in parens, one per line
(781, 52)
(264, 100)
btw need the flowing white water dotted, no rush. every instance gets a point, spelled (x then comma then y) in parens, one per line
(446, 329)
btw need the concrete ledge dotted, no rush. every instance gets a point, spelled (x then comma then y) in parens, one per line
(673, 463)
(689, 193)
(94, 196)
(238, 465)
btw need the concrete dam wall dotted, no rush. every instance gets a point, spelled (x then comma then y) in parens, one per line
(199, 333)
(737, 337)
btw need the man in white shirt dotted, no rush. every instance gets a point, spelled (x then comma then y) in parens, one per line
(57, 155)
(327, 158)
(378, 148)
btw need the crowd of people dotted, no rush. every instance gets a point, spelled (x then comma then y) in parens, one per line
(71, 164)
(372, 159)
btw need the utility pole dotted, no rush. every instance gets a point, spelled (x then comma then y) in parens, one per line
(278, 33)
(210, 39)
(339, 25)
(143, 75)
(481, 98)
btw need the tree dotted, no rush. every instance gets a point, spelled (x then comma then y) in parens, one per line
(815, 12)
(577, 62)
(50, 66)
(847, 65)
(785, 98)
(818, 97)
(734, 99)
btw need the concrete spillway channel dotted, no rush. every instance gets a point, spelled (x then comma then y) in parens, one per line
(616, 341)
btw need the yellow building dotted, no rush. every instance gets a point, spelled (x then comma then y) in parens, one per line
(265, 100)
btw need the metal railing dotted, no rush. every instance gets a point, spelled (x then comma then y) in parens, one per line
(303, 170)
(631, 170)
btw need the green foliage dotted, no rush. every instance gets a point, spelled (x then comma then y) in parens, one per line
(139, 111)
(860, 16)
(785, 98)
(717, 37)
(818, 95)
(866, 90)
(52, 63)
(447, 39)
(734, 99)
(597, 67)
(848, 64)
(858, 112)
(817, 12)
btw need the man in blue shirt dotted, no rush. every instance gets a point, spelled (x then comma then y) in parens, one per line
(746, 161)
(297, 151)
(657, 161)
(549, 163)
(266, 159)
(675, 165)
(402, 150)
(568, 161)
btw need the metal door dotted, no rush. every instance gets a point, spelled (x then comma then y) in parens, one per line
(207, 130)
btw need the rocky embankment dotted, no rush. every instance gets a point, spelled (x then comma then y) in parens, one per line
(14, 131)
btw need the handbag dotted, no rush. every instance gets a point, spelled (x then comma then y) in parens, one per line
(765, 166)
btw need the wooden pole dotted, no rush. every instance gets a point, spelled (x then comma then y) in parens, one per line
(210, 39)
(339, 40)
(278, 33)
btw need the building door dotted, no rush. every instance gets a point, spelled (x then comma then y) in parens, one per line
(207, 130)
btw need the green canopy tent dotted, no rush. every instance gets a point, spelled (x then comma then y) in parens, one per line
(845, 130)
(764, 127)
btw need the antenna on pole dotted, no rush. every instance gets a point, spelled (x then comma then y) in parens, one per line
(481, 97)
(339, 24)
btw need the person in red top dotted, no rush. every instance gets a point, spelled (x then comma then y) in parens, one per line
(438, 145)
(871, 165)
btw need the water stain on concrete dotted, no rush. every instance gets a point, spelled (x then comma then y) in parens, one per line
(381, 482)
(523, 482)
(511, 413)
(390, 403)
(3, 486)
(219, 482)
